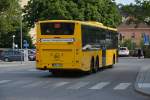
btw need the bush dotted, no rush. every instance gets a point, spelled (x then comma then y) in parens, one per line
(147, 53)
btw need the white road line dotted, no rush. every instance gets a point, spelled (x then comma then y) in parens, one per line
(48, 84)
(10, 70)
(4, 81)
(122, 86)
(60, 84)
(16, 83)
(100, 85)
(79, 85)
(33, 84)
(33, 70)
(144, 85)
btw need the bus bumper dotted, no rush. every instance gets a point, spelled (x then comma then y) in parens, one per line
(61, 67)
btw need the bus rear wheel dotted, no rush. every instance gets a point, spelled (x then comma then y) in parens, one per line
(114, 59)
(55, 72)
(113, 62)
(96, 66)
(91, 66)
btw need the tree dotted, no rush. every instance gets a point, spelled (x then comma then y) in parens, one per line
(10, 13)
(3, 5)
(138, 12)
(104, 11)
(128, 43)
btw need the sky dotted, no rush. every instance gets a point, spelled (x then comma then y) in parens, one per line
(125, 1)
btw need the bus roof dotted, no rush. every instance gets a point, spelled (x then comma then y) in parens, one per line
(90, 23)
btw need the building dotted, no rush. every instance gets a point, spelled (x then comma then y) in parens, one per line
(136, 33)
(23, 3)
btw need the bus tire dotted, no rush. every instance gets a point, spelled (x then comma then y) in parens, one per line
(113, 62)
(54, 72)
(114, 59)
(96, 67)
(91, 66)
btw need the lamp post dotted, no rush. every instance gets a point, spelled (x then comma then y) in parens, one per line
(13, 45)
(21, 38)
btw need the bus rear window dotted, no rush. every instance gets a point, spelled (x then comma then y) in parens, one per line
(57, 28)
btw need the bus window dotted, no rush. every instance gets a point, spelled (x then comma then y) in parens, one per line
(57, 28)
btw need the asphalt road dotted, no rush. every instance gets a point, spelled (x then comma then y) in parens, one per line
(26, 83)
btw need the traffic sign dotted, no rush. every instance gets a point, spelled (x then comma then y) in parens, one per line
(25, 44)
(146, 39)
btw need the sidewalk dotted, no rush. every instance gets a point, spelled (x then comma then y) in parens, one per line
(142, 84)
(15, 63)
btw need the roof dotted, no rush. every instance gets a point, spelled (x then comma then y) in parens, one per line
(133, 26)
(90, 23)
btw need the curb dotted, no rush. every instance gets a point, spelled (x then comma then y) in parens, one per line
(136, 87)
(15, 64)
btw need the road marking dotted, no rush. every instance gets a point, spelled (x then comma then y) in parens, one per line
(122, 86)
(33, 70)
(16, 83)
(144, 85)
(100, 85)
(33, 84)
(79, 85)
(60, 84)
(4, 81)
(11, 70)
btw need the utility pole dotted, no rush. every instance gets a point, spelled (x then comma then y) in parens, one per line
(21, 38)
(13, 44)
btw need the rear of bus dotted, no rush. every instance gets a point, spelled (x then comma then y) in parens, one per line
(58, 45)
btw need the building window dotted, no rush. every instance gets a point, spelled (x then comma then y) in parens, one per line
(133, 35)
(142, 35)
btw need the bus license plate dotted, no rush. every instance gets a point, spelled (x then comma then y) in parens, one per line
(57, 65)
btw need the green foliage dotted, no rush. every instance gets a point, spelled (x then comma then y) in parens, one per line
(4, 4)
(146, 52)
(10, 18)
(139, 11)
(142, 43)
(104, 11)
(128, 43)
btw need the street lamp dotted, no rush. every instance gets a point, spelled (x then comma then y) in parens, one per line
(13, 45)
(21, 37)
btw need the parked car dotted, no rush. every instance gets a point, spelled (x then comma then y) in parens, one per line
(1, 54)
(123, 51)
(12, 55)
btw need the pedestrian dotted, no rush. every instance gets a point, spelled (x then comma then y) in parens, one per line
(139, 53)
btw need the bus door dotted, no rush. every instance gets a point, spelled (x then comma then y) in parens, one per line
(104, 56)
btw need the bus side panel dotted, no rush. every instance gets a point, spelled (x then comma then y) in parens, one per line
(109, 56)
(87, 57)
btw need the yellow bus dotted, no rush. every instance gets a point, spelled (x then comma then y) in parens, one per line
(75, 45)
